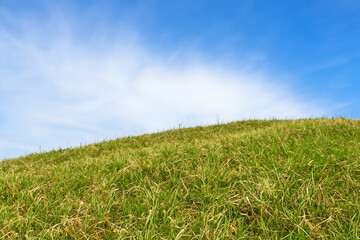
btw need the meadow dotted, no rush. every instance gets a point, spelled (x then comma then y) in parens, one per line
(255, 179)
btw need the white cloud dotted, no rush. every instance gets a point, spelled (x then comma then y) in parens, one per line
(60, 91)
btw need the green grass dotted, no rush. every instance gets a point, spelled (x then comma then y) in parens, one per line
(292, 179)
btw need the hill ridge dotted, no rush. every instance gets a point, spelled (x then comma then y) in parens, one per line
(248, 179)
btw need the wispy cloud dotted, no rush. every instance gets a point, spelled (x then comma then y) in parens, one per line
(58, 90)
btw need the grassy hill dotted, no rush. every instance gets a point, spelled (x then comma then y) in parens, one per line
(243, 180)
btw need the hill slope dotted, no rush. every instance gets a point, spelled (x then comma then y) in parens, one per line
(248, 179)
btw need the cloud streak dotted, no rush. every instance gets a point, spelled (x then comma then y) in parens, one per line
(59, 91)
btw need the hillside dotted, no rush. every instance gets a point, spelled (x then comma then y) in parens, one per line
(248, 179)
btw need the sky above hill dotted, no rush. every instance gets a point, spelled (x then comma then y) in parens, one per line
(78, 72)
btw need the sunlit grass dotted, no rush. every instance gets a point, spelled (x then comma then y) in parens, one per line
(295, 179)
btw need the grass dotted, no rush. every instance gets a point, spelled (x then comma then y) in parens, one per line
(276, 179)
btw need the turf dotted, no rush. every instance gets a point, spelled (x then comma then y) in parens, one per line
(258, 179)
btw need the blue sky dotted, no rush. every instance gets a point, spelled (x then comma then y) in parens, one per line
(77, 72)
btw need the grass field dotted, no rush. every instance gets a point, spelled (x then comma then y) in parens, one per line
(292, 179)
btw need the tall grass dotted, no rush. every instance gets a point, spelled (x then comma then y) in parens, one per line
(292, 179)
